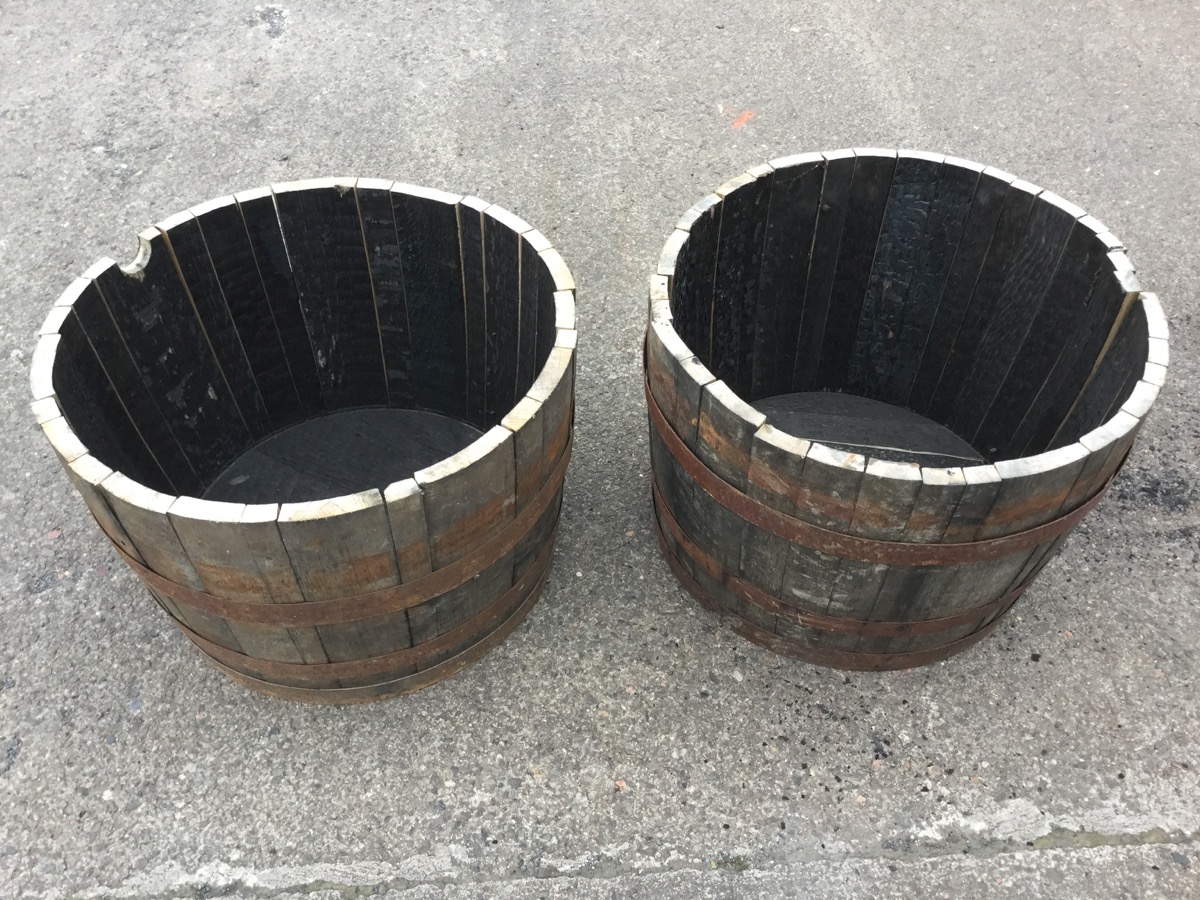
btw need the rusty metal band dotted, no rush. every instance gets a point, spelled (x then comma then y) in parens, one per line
(837, 624)
(403, 685)
(356, 607)
(820, 656)
(849, 546)
(388, 663)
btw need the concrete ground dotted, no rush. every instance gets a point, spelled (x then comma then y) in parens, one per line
(620, 743)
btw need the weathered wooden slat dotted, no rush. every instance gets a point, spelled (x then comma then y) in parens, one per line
(873, 170)
(469, 496)
(886, 498)
(444, 614)
(541, 422)
(900, 592)
(427, 232)
(746, 200)
(257, 208)
(558, 280)
(340, 547)
(387, 285)
(324, 241)
(185, 244)
(783, 277)
(835, 195)
(86, 473)
(237, 553)
(832, 479)
(775, 478)
(713, 527)
(142, 514)
(1030, 274)
(971, 253)
(160, 329)
(410, 536)
(502, 275)
(726, 430)
(239, 284)
(876, 351)
(677, 379)
(525, 421)
(555, 388)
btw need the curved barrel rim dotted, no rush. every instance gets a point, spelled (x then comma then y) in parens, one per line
(70, 447)
(1106, 441)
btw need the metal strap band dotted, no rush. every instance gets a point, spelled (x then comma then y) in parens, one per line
(356, 607)
(849, 546)
(818, 621)
(820, 656)
(388, 663)
(404, 685)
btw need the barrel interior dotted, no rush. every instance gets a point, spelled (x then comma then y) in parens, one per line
(976, 302)
(306, 342)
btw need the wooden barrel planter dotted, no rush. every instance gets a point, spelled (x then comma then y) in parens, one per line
(882, 389)
(327, 423)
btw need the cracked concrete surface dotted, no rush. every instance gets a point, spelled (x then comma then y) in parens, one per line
(620, 743)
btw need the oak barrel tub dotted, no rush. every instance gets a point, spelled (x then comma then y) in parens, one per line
(327, 423)
(882, 389)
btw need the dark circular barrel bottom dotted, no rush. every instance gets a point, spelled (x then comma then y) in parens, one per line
(870, 427)
(340, 453)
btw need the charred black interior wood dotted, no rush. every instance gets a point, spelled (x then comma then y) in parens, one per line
(155, 428)
(325, 245)
(693, 282)
(427, 236)
(232, 258)
(1112, 380)
(475, 304)
(275, 269)
(876, 352)
(835, 195)
(502, 247)
(387, 282)
(160, 328)
(860, 240)
(93, 407)
(1057, 323)
(735, 289)
(1029, 276)
(788, 244)
(954, 299)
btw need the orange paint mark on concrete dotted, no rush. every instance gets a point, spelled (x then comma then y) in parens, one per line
(745, 117)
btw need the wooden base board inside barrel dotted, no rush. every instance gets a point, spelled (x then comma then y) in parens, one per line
(882, 389)
(327, 423)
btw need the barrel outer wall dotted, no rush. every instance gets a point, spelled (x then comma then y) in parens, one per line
(750, 576)
(233, 577)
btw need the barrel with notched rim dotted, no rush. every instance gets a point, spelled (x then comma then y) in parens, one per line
(816, 321)
(327, 423)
